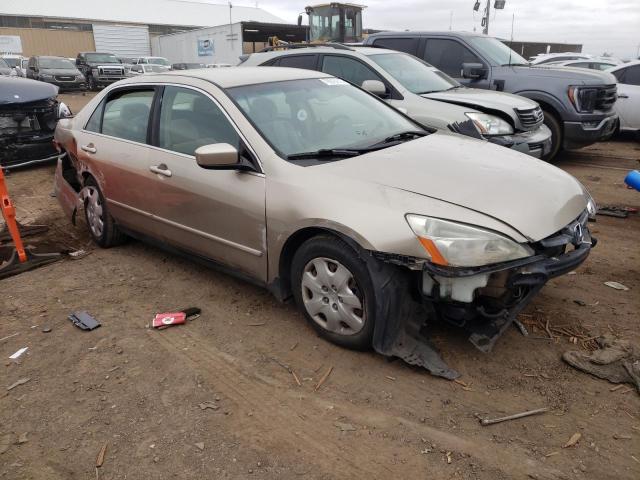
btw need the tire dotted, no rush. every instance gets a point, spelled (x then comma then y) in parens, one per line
(91, 83)
(554, 125)
(322, 304)
(100, 223)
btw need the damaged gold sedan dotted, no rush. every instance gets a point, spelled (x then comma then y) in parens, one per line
(320, 191)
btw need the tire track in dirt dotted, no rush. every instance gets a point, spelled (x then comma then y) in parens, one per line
(267, 409)
(271, 403)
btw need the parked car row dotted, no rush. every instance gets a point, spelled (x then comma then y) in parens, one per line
(323, 192)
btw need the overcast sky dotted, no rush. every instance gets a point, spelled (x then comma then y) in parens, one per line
(600, 25)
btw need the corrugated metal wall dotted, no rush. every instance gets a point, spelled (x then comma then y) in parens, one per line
(125, 40)
(39, 41)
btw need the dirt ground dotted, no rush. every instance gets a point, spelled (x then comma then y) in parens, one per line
(213, 399)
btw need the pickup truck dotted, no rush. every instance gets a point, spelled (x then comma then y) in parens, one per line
(577, 103)
(100, 69)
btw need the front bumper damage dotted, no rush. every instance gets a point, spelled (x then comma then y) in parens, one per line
(481, 301)
(26, 133)
(536, 143)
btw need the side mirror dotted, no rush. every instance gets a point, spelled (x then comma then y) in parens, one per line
(221, 156)
(375, 87)
(474, 71)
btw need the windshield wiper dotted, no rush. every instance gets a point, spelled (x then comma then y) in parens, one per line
(404, 136)
(455, 87)
(325, 153)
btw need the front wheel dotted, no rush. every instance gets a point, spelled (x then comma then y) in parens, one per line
(554, 125)
(91, 83)
(332, 285)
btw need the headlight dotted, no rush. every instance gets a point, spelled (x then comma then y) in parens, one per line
(80, 77)
(458, 245)
(64, 111)
(592, 208)
(46, 75)
(583, 98)
(490, 124)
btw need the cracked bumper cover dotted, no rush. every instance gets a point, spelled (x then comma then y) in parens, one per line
(482, 301)
(536, 143)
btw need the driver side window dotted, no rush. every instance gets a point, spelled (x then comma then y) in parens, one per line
(190, 119)
(448, 56)
(348, 69)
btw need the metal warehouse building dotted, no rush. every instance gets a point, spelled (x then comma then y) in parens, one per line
(123, 27)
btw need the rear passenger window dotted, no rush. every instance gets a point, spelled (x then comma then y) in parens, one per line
(126, 115)
(190, 119)
(448, 56)
(348, 69)
(407, 45)
(308, 62)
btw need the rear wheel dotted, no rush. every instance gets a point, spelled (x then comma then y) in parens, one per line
(551, 121)
(101, 225)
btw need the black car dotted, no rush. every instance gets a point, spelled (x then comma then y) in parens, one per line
(100, 69)
(29, 113)
(58, 71)
(187, 66)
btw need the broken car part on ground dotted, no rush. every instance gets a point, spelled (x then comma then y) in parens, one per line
(315, 189)
(29, 112)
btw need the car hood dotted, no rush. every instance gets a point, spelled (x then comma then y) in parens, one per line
(483, 99)
(15, 90)
(529, 195)
(68, 72)
(578, 76)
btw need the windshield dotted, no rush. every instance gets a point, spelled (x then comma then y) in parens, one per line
(414, 74)
(57, 63)
(496, 51)
(3, 64)
(11, 62)
(101, 58)
(159, 61)
(299, 116)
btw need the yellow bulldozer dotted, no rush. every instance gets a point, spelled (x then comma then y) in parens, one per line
(330, 23)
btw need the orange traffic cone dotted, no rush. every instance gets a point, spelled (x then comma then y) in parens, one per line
(21, 260)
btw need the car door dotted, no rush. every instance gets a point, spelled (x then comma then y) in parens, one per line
(628, 103)
(448, 55)
(114, 145)
(218, 214)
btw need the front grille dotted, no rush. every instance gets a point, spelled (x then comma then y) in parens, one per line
(606, 97)
(17, 123)
(531, 118)
(65, 78)
(111, 72)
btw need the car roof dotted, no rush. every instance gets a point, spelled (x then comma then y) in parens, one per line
(355, 51)
(238, 76)
(411, 33)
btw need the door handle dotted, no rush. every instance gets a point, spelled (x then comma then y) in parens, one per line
(89, 148)
(622, 95)
(161, 169)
